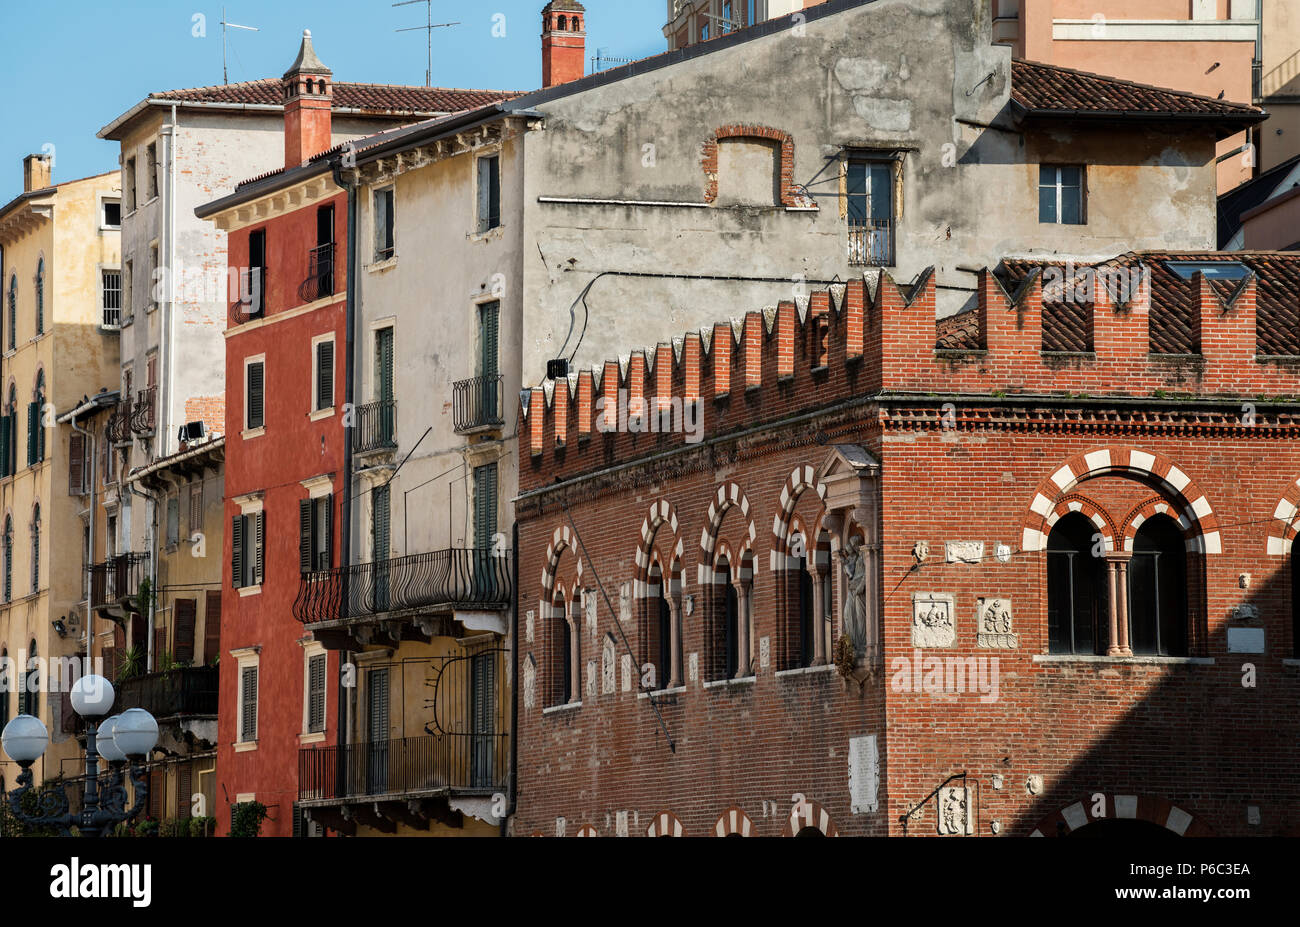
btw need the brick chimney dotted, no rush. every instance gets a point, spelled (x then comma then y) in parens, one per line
(564, 42)
(37, 174)
(308, 106)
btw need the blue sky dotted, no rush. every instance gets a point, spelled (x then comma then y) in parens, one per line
(81, 63)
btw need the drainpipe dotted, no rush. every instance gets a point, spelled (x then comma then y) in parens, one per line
(349, 388)
(164, 398)
(89, 438)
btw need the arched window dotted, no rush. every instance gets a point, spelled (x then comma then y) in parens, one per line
(36, 548)
(807, 624)
(658, 628)
(562, 24)
(32, 683)
(6, 685)
(13, 311)
(724, 660)
(1158, 589)
(1295, 599)
(562, 644)
(665, 629)
(40, 296)
(35, 422)
(11, 433)
(1078, 610)
(9, 558)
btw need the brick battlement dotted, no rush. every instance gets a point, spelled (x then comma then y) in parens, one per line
(1194, 338)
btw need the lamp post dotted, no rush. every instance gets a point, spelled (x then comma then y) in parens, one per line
(122, 740)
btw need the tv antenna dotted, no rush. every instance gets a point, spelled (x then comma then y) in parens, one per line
(427, 28)
(225, 79)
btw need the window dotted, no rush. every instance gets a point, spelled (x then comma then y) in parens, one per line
(254, 280)
(128, 277)
(385, 423)
(173, 521)
(315, 534)
(151, 162)
(704, 29)
(110, 214)
(9, 435)
(869, 191)
(323, 370)
(36, 548)
(1295, 600)
(196, 508)
(13, 311)
(485, 506)
(315, 693)
(1158, 589)
(383, 216)
(111, 297)
(1077, 609)
(6, 685)
(1061, 194)
(29, 695)
(247, 533)
(153, 279)
(35, 423)
(183, 636)
(9, 558)
(1214, 270)
(489, 193)
(563, 657)
(248, 703)
(727, 25)
(724, 624)
(254, 399)
(128, 184)
(40, 296)
(807, 623)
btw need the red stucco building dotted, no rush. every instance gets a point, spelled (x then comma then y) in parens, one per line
(1026, 571)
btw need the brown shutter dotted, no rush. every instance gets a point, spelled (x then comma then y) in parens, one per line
(211, 626)
(183, 637)
(159, 647)
(76, 463)
(237, 551)
(184, 788)
(156, 794)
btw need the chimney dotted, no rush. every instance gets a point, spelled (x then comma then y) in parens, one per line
(564, 42)
(37, 172)
(308, 106)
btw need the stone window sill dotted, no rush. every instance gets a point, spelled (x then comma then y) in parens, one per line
(246, 746)
(803, 670)
(556, 709)
(1149, 660)
(246, 591)
(677, 690)
(721, 683)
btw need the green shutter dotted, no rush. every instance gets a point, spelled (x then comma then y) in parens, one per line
(5, 425)
(485, 506)
(305, 536)
(254, 413)
(384, 364)
(237, 551)
(261, 547)
(329, 533)
(325, 375)
(380, 532)
(33, 417)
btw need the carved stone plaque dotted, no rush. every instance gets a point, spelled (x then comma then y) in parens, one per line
(530, 682)
(955, 812)
(964, 551)
(993, 624)
(625, 602)
(607, 668)
(934, 621)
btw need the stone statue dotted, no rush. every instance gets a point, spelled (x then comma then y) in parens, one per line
(855, 596)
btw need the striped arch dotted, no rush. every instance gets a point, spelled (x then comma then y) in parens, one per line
(661, 513)
(1154, 810)
(1143, 512)
(1196, 516)
(587, 830)
(800, 479)
(809, 814)
(560, 542)
(1286, 523)
(1076, 502)
(733, 822)
(666, 824)
(728, 497)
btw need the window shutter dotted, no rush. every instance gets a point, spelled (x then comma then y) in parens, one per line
(32, 418)
(494, 192)
(261, 536)
(156, 794)
(298, 829)
(255, 412)
(485, 506)
(325, 375)
(211, 626)
(316, 694)
(186, 618)
(184, 790)
(40, 429)
(384, 364)
(5, 425)
(304, 536)
(76, 459)
(237, 551)
(329, 533)
(489, 323)
(380, 535)
(248, 704)
(196, 508)
(159, 646)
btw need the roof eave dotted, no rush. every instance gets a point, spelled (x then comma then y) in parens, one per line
(260, 188)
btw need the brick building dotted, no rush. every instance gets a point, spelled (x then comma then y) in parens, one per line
(1014, 572)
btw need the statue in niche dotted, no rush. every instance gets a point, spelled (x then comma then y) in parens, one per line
(855, 595)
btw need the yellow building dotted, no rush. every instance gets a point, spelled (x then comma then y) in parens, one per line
(61, 290)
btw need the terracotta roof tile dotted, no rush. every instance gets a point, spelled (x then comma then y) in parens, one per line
(370, 98)
(1044, 88)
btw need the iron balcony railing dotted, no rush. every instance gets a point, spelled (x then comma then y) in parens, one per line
(117, 578)
(478, 403)
(142, 416)
(119, 423)
(409, 765)
(250, 301)
(190, 690)
(871, 242)
(320, 274)
(442, 578)
(375, 427)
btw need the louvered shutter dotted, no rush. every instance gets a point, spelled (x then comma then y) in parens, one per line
(255, 412)
(485, 506)
(76, 461)
(384, 364)
(325, 375)
(382, 543)
(298, 828)
(196, 508)
(237, 551)
(184, 790)
(305, 536)
(186, 619)
(159, 646)
(261, 547)
(328, 552)
(6, 425)
(316, 693)
(33, 417)
(248, 704)
(156, 794)
(211, 626)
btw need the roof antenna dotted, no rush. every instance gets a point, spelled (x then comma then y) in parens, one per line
(428, 27)
(225, 79)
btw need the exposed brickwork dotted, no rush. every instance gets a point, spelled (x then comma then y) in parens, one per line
(791, 195)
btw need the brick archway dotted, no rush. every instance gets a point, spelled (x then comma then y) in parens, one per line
(726, 498)
(1194, 511)
(661, 513)
(1286, 522)
(666, 824)
(1077, 502)
(791, 195)
(1148, 808)
(800, 480)
(587, 830)
(1146, 510)
(809, 814)
(733, 823)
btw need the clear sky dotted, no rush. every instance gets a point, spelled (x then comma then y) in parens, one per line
(70, 67)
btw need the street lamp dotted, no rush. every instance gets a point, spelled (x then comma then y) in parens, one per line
(124, 740)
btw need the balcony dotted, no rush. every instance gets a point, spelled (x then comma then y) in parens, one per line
(376, 427)
(477, 404)
(183, 700)
(119, 423)
(320, 274)
(871, 242)
(439, 581)
(115, 583)
(143, 415)
(252, 297)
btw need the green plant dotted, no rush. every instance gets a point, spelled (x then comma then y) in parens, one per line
(147, 828)
(844, 657)
(202, 826)
(132, 663)
(11, 826)
(247, 819)
(144, 596)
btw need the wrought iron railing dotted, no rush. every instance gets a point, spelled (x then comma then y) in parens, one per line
(320, 274)
(250, 302)
(119, 423)
(143, 414)
(479, 578)
(408, 765)
(117, 578)
(375, 426)
(190, 690)
(871, 242)
(478, 403)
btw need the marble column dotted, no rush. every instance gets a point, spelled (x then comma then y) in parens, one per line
(743, 658)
